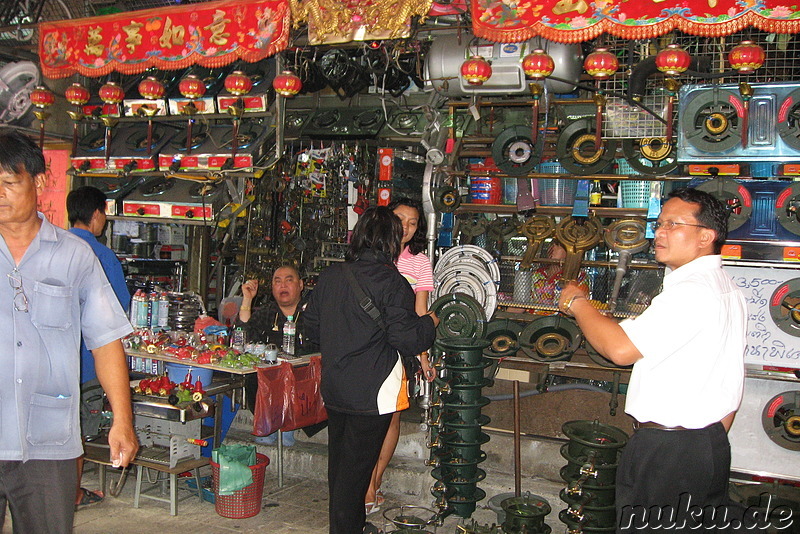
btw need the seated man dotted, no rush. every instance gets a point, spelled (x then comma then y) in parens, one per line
(265, 324)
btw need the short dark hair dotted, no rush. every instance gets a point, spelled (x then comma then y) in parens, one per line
(19, 154)
(712, 212)
(419, 241)
(287, 265)
(378, 229)
(82, 203)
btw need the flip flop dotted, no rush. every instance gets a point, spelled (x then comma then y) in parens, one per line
(88, 498)
(379, 498)
(371, 508)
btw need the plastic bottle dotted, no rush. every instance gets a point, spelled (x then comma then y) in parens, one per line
(595, 194)
(133, 311)
(141, 310)
(289, 329)
(152, 311)
(163, 311)
(237, 339)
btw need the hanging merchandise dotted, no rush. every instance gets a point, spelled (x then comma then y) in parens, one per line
(385, 173)
(312, 173)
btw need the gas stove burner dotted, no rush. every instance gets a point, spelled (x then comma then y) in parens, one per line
(405, 120)
(115, 187)
(157, 187)
(367, 118)
(198, 138)
(295, 120)
(245, 137)
(95, 141)
(203, 190)
(712, 122)
(326, 118)
(137, 141)
(650, 155)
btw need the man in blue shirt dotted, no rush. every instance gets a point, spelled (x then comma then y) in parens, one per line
(56, 293)
(86, 212)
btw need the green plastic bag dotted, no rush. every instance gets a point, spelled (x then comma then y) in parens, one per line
(234, 467)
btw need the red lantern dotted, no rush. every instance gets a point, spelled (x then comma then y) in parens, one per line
(111, 93)
(151, 89)
(476, 70)
(601, 64)
(746, 57)
(238, 83)
(192, 87)
(287, 84)
(673, 60)
(77, 94)
(42, 98)
(538, 64)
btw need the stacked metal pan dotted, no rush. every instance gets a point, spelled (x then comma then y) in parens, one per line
(468, 270)
(456, 425)
(592, 455)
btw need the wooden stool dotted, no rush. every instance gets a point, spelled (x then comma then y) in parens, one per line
(191, 464)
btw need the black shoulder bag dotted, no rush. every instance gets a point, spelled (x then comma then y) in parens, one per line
(411, 363)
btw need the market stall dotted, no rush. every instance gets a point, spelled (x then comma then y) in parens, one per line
(540, 137)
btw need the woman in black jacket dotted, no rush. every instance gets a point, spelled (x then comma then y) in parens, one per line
(363, 378)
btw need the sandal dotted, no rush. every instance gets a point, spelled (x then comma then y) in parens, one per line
(379, 498)
(88, 498)
(371, 508)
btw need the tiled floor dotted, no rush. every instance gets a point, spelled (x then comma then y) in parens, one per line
(300, 507)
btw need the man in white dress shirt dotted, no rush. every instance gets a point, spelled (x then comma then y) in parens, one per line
(687, 351)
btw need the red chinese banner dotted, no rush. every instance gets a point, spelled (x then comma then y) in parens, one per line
(211, 34)
(570, 21)
(53, 200)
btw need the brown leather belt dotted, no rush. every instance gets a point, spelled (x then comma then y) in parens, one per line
(637, 426)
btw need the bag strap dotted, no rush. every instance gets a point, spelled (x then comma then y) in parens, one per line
(363, 300)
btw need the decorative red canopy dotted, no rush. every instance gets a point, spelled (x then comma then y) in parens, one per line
(570, 21)
(212, 34)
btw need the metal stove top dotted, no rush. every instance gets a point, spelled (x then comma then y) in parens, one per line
(173, 198)
(128, 144)
(211, 147)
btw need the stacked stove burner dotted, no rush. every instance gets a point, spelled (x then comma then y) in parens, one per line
(592, 455)
(457, 420)
(525, 515)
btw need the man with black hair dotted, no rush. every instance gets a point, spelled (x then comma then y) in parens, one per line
(56, 293)
(687, 350)
(265, 325)
(86, 211)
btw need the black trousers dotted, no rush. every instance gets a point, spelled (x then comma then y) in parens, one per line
(354, 444)
(40, 495)
(666, 478)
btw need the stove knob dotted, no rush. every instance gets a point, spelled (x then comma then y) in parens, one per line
(189, 214)
(140, 211)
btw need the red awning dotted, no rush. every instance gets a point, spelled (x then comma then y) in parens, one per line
(570, 21)
(212, 34)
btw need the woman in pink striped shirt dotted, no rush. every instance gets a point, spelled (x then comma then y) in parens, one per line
(415, 266)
